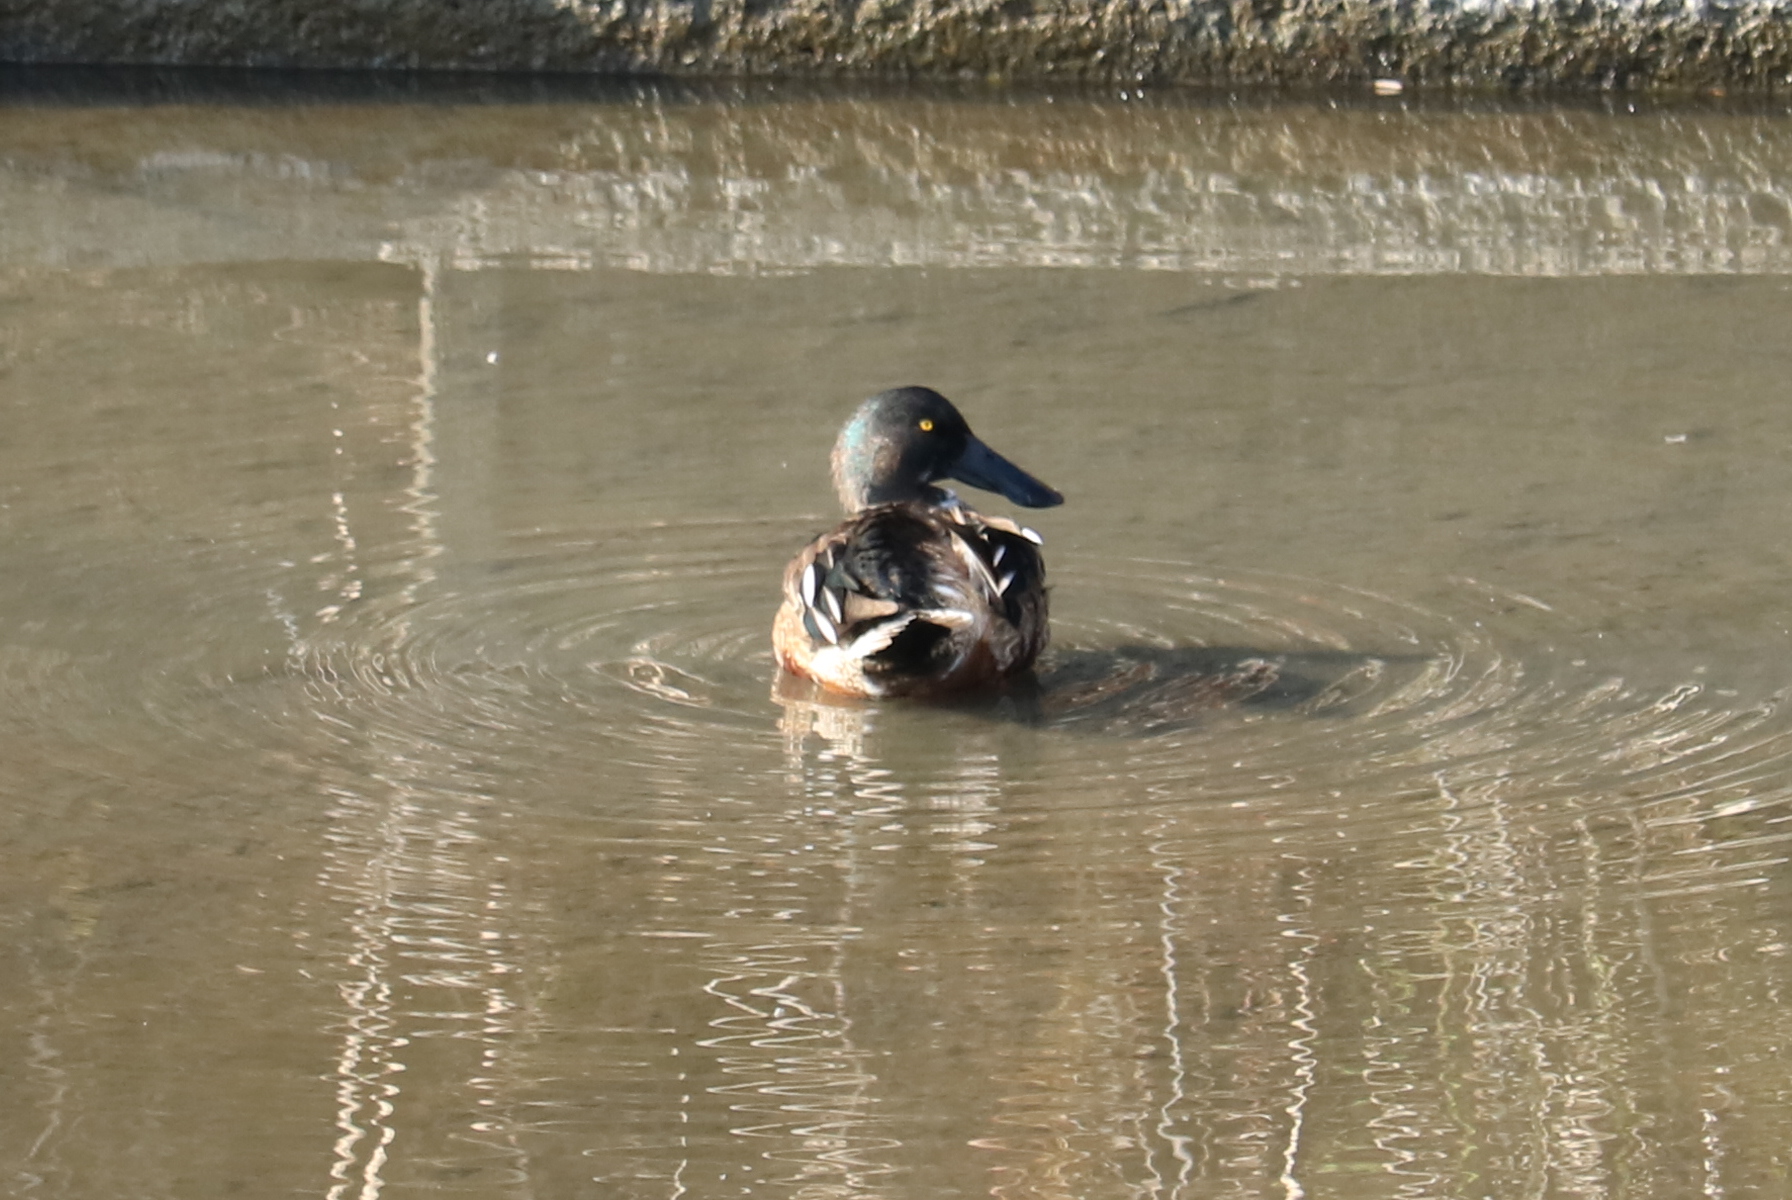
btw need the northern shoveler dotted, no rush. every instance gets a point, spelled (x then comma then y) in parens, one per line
(916, 594)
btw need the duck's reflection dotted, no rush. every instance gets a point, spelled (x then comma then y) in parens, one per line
(943, 842)
(810, 710)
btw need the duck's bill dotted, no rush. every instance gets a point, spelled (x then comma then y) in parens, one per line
(983, 468)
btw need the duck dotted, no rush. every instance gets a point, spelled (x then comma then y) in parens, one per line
(916, 593)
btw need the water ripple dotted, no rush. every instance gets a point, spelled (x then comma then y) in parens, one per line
(1288, 698)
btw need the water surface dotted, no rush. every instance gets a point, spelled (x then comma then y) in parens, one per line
(397, 796)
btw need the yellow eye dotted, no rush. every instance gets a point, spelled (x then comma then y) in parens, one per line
(926, 424)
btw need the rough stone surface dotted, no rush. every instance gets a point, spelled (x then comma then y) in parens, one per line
(1672, 44)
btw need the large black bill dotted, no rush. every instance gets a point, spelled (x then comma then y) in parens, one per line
(983, 468)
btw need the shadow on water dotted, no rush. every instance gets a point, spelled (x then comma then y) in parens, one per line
(1144, 691)
(1147, 692)
(148, 86)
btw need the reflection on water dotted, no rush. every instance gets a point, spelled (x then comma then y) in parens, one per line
(398, 796)
(676, 177)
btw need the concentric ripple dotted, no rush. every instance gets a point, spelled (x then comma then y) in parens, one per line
(631, 647)
(1245, 685)
(649, 649)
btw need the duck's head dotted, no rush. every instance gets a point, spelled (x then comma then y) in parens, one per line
(901, 441)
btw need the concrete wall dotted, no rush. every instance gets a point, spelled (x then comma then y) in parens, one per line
(1675, 44)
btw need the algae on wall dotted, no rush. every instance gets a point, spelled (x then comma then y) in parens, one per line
(1485, 43)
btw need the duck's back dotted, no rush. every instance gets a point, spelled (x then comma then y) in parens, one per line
(913, 598)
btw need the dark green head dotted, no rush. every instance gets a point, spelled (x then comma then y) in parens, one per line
(901, 441)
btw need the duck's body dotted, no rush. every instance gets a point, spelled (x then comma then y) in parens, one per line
(916, 594)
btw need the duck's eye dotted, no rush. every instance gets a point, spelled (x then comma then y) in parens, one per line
(926, 424)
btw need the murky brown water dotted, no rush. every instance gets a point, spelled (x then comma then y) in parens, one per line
(394, 798)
